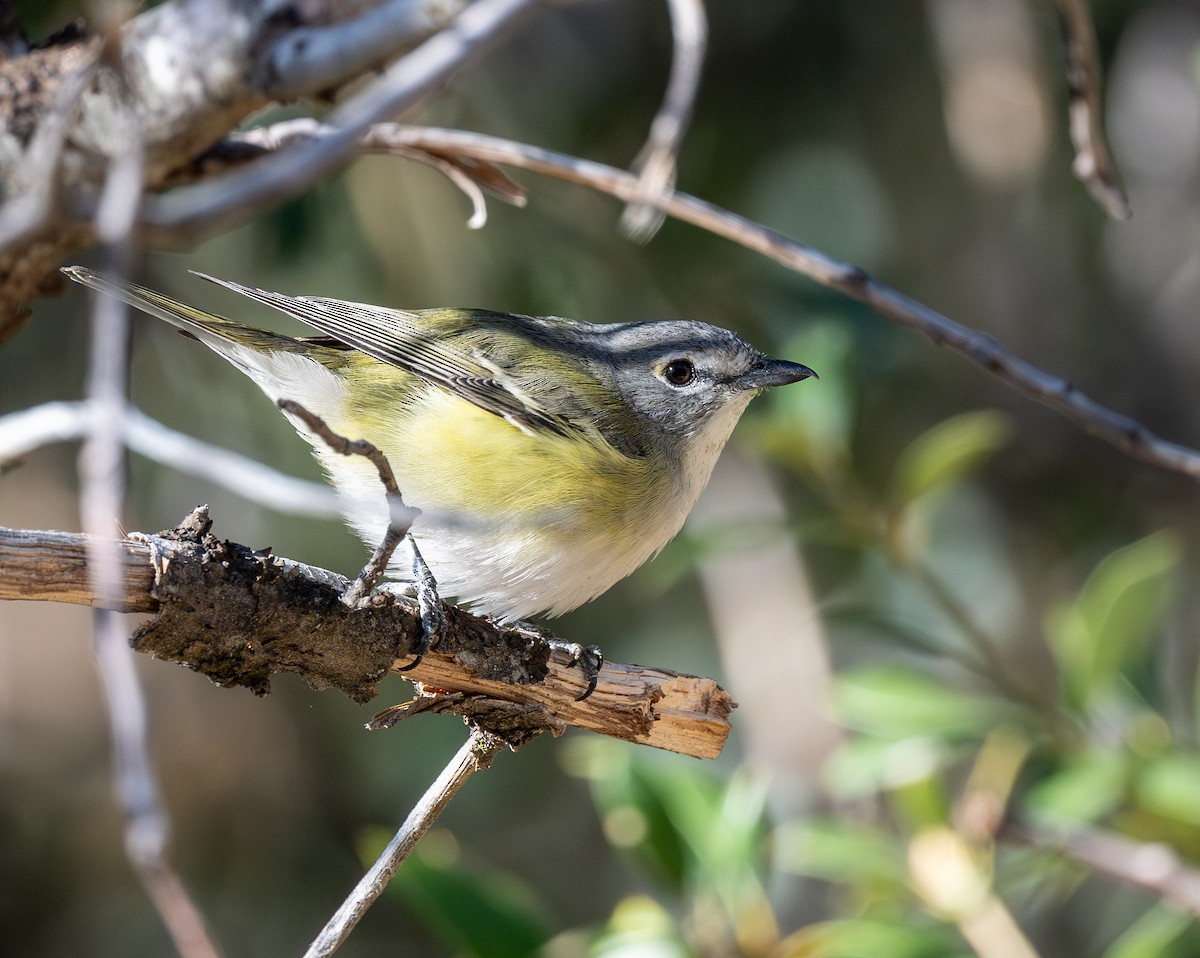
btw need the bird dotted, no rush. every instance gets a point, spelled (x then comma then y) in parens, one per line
(548, 458)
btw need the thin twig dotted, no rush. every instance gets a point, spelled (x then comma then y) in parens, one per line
(475, 755)
(657, 161)
(996, 670)
(313, 58)
(102, 492)
(400, 516)
(472, 177)
(29, 429)
(215, 204)
(1093, 162)
(1151, 866)
(1120, 430)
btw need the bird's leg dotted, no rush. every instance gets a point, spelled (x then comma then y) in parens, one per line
(429, 604)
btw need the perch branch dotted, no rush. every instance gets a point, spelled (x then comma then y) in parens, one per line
(1093, 162)
(255, 614)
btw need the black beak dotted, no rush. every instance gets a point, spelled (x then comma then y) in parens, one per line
(773, 372)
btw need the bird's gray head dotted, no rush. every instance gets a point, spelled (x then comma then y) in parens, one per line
(687, 380)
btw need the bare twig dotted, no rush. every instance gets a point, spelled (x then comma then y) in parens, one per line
(475, 755)
(472, 177)
(270, 615)
(657, 161)
(29, 429)
(101, 495)
(196, 69)
(217, 204)
(315, 58)
(1118, 429)
(1151, 866)
(400, 516)
(1093, 162)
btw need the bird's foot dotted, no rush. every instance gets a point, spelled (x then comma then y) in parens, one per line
(588, 658)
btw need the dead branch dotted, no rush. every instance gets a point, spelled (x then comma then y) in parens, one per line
(655, 164)
(218, 204)
(1094, 164)
(240, 616)
(193, 69)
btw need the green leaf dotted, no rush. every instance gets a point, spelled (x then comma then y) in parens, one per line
(1107, 627)
(945, 454)
(477, 912)
(1083, 791)
(860, 767)
(810, 428)
(840, 852)
(868, 938)
(1170, 786)
(897, 703)
(636, 807)
(639, 928)
(1151, 935)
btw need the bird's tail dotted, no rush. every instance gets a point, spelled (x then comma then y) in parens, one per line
(216, 332)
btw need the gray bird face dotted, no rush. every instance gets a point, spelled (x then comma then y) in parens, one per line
(681, 375)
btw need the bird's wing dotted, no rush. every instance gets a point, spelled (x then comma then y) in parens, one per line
(398, 337)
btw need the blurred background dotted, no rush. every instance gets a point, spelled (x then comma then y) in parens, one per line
(937, 603)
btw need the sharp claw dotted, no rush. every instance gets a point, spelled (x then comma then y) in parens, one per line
(588, 658)
(589, 690)
(413, 664)
(590, 661)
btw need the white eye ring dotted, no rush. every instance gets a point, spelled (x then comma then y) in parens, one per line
(678, 372)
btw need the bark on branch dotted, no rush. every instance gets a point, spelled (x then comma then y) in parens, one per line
(240, 616)
(190, 71)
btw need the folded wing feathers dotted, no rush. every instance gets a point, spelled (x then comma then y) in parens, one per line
(391, 336)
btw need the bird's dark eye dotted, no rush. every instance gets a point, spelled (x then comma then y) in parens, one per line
(679, 372)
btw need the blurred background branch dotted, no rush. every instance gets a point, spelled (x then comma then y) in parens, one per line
(1094, 164)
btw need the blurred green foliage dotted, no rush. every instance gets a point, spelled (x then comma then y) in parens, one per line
(1005, 604)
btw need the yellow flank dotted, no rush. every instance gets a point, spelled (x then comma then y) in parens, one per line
(461, 462)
